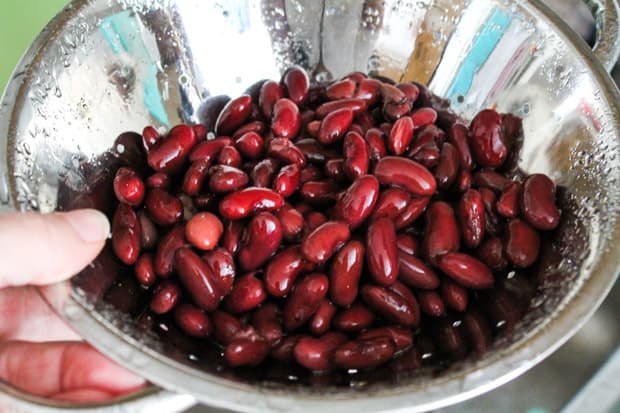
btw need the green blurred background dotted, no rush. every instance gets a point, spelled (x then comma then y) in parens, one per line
(20, 22)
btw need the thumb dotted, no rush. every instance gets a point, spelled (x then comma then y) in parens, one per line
(42, 249)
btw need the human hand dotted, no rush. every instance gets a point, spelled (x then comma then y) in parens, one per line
(39, 353)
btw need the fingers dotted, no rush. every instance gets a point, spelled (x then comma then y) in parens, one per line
(45, 248)
(56, 368)
(83, 396)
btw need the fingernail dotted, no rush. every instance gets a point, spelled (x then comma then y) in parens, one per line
(90, 224)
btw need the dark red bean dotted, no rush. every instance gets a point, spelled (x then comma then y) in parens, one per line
(315, 152)
(477, 331)
(365, 121)
(334, 126)
(319, 193)
(316, 353)
(305, 299)
(270, 93)
(297, 85)
(286, 181)
(195, 176)
(322, 319)
(286, 151)
(408, 174)
(464, 181)
(407, 244)
(165, 297)
(364, 354)
(356, 105)
(423, 117)
(263, 236)
(431, 303)
(522, 243)
(324, 241)
(334, 169)
(425, 137)
(391, 203)
(492, 220)
(381, 251)
(128, 187)
(353, 319)
(428, 156)
(442, 233)
(390, 305)
(284, 350)
(358, 201)
(249, 201)
(406, 362)
(229, 156)
(314, 220)
(503, 309)
(471, 216)
(356, 155)
(402, 337)
(415, 273)
(209, 150)
(448, 339)
(292, 222)
(193, 320)
(313, 127)
(163, 208)
(490, 179)
(256, 126)
(342, 89)
(145, 270)
(248, 292)
(508, 202)
(410, 90)
(167, 247)
(392, 94)
(233, 115)
(386, 128)
(250, 145)
(227, 179)
(197, 278)
(225, 326)
(204, 230)
(368, 90)
(491, 252)
(486, 141)
(126, 234)
(150, 136)
(286, 120)
(400, 136)
(538, 202)
(394, 111)
(412, 211)
(264, 172)
(454, 295)
(458, 136)
(404, 291)
(376, 144)
(222, 265)
(466, 270)
(158, 180)
(345, 272)
(246, 352)
(448, 167)
(266, 321)
(171, 152)
(231, 240)
(200, 131)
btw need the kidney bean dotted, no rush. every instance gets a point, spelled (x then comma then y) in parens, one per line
(470, 212)
(448, 339)
(503, 309)
(284, 350)
(463, 181)
(423, 117)
(353, 319)
(249, 201)
(292, 222)
(204, 230)
(316, 353)
(492, 223)
(390, 305)
(128, 187)
(286, 120)
(233, 115)
(392, 94)
(227, 179)
(286, 181)
(322, 319)
(407, 244)
(508, 202)
(304, 300)
(486, 141)
(412, 211)
(297, 85)
(356, 155)
(319, 245)
(538, 202)
(403, 291)
(441, 234)
(431, 303)
(126, 234)
(145, 271)
(342, 89)
(264, 172)
(270, 93)
(222, 265)
(521, 244)
(171, 152)
(148, 232)
(356, 128)
(193, 320)
(167, 247)
(408, 174)
(410, 91)
(229, 156)
(262, 238)
(319, 193)
(266, 320)
(415, 273)
(334, 125)
(385, 128)
(458, 136)
(194, 177)
(454, 295)
(356, 105)
(225, 326)
(376, 144)
(150, 137)
(198, 279)
(246, 352)
(165, 297)
(314, 220)
(256, 126)
(394, 111)
(408, 361)
(400, 136)
(345, 273)
(358, 201)
(402, 338)
(231, 240)
(200, 131)
(477, 331)
(250, 145)
(364, 354)
(381, 251)
(490, 179)
(466, 270)
(448, 166)
(491, 252)
(314, 152)
(334, 169)
(313, 127)
(429, 156)
(209, 150)
(158, 180)
(285, 151)
(248, 292)
(163, 208)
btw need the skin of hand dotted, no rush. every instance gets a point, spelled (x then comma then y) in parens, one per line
(39, 353)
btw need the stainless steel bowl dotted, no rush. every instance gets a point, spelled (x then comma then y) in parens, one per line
(102, 67)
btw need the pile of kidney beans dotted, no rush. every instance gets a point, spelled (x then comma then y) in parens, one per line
(324, 224)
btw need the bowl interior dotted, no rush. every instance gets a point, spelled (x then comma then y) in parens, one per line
(104, 67)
